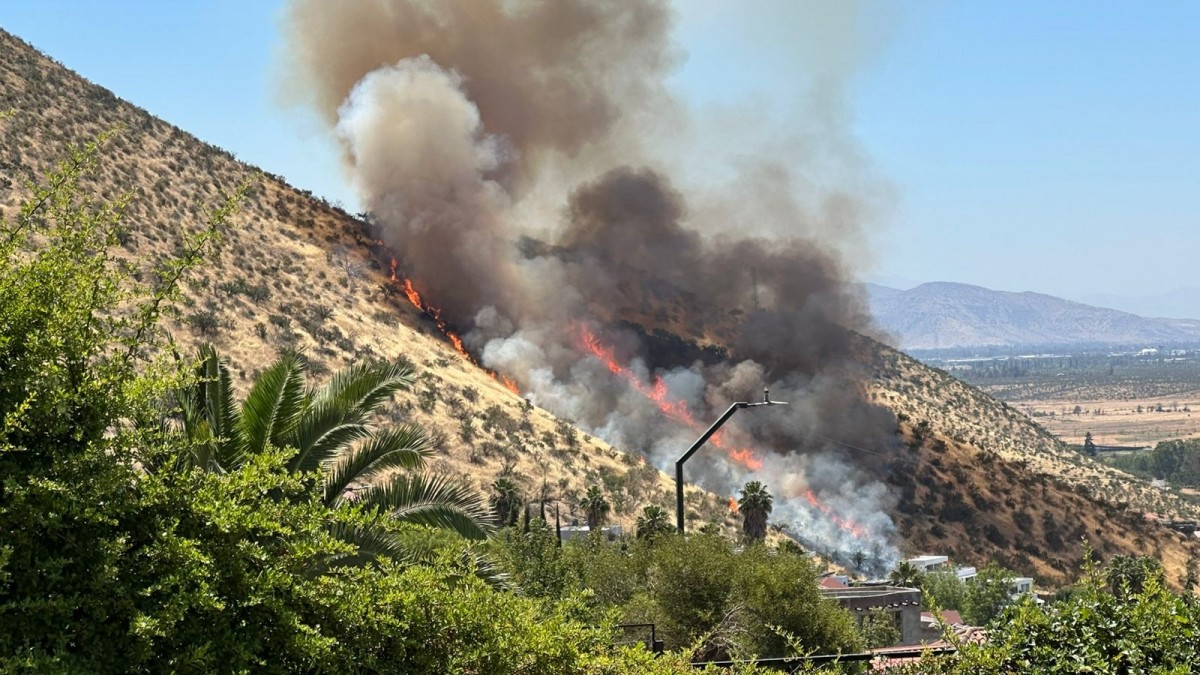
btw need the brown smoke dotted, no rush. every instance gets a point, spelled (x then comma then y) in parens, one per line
(462, 120)
(544, 74)
(784, 301)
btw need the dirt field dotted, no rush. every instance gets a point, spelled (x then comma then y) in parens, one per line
(1117, 421)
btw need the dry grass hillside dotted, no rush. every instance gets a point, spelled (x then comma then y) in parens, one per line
(966, 416)
(975, 505)
(298, 273)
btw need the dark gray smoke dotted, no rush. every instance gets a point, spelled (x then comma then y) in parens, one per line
(468, 125)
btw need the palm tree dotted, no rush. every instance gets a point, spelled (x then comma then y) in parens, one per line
(596, 506)
(329, 429)
(906, 575)
(506, 501)
(755, 506)
(653, 522)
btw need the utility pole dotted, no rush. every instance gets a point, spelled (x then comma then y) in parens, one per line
(700, 441)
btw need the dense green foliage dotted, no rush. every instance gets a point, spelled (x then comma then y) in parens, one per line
(987, 595)
(980, 600)
(700, 591)
(942, 589)
(1150, 630)
(653, 521)
(378, 471)
(879, 630)
(1177, 462)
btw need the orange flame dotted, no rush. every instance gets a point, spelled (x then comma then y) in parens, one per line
(747, 458)
(733, 506)
(434, 313)
(842, 523)
(657, 393)
(509, 385)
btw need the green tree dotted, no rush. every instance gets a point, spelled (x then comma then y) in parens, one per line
(596, 507)
(987, 594)
(329, 431)
(784, 608)
(755, 507)
(1093, 630)
(653, 522)
(1130, 574)
(879, 629)
(506, 501)
(107, 566)
(906, 574)
(1089, 445)
(942, 589)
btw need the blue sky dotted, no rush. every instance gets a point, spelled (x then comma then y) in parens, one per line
(1049, 146)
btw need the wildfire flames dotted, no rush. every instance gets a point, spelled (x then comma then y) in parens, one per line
(657, 393)
(436, 314)
(843, 523)
(678, 411)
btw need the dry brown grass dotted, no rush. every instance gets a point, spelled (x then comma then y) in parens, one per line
(1117, 421)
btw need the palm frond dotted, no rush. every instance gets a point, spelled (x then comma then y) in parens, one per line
(403, 447)
(207, 415)
(324, 429)
(214, 389)
(433, 500)
(484, 567)
(274, 404)
(361, 388)
(371, 542)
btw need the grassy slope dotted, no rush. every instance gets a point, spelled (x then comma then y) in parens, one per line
(309, 280)
(299, 273)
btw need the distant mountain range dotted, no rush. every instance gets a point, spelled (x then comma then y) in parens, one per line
(945, 315)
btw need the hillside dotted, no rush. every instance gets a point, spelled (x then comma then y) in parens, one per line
(298, 273)
(979, 480)
(942, 315)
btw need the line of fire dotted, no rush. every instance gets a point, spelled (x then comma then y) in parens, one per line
(654, 392)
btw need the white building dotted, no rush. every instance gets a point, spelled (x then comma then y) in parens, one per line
(1022, 586)
(610, 533)
(927, 563)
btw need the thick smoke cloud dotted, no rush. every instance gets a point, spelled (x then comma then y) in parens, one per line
(468, 125)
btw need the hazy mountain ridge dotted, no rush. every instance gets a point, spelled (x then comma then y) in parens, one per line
(297, 273)
(1181, 303)
(939, 315)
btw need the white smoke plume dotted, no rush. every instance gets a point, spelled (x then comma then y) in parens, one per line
(470, 125)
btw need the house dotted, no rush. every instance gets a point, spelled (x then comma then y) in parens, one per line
(1022, 586)
(833, 581)
(932, 563)
(928, 563)
(904, 604)
(610, 533)
(932, 628)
